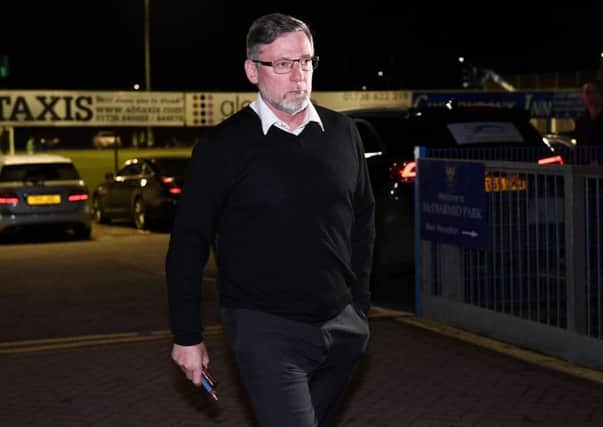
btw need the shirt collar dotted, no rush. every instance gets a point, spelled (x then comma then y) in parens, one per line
(268, 118)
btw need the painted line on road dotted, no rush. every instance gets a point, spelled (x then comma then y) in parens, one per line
(505, 348)
(28, 346)
(381, 313)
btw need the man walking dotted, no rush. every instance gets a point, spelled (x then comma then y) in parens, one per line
(282, 187)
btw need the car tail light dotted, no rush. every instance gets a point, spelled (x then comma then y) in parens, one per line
(405, 172)
(8, 198)
(171, 185)
(551, 160)
(77, 196)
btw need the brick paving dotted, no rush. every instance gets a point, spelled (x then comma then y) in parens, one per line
(409, 377)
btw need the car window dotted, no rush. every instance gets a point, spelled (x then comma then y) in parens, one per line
(39, 172)
(484, 132)
(395, 134)
(427, 133)
(133, 169)
(147, 169)
(401, 131)
(370, 138)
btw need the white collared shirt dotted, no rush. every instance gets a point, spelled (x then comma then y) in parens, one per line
(268, 118)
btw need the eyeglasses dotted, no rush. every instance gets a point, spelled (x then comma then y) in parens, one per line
(284, 66)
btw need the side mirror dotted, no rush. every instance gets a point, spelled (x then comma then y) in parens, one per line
(109, 176)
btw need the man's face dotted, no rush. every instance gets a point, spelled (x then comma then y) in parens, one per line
(290, 92)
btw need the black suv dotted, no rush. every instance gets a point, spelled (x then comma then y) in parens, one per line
(390, 137)
(144, 191)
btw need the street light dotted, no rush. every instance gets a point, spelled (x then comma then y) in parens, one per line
(147, 61)
(147, 47)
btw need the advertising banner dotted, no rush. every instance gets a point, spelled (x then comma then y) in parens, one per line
(75, 108)
(348, 100)
(210, 108)
(561, 103)
(106, 108)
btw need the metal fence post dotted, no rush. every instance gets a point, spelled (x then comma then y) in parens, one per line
(419, 152)
(575, 255)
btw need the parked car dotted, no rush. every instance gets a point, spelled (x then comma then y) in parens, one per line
(144, 191)
(390, 137)
(571, 151)
(45, 191)
(106, 138)
(560, 139)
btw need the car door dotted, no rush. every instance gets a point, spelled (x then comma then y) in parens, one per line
(374, 150)
(125, 183)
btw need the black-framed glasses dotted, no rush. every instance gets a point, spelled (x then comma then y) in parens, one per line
(284, 66)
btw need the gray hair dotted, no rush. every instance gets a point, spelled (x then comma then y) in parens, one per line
(267, 28)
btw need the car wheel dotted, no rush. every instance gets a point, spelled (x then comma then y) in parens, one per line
(140, 215)
(98, 214)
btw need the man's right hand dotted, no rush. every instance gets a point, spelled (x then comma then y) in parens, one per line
(192, 359)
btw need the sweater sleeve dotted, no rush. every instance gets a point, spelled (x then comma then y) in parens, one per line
(363, 231)
(192, 233)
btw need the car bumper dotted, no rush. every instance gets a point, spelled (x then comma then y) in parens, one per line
(163, 210)
(79, 218)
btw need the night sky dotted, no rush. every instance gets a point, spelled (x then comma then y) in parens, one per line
(99, 45)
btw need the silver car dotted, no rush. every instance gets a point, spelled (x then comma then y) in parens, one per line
(45, 191)
(106, 138)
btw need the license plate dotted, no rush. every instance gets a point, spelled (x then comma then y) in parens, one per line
(44, 199)
(510, 182)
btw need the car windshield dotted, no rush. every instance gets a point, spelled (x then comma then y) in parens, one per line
(484, 132)
(39, 172)
(400, 135)
(170, 166)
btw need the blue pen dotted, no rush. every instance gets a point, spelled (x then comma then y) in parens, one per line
(208, 388)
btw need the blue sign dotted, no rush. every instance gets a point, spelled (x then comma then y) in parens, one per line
(540, 104)
(452, 201)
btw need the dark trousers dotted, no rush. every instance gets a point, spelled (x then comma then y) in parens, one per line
(295, 372)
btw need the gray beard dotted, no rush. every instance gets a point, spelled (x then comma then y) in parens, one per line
(285, 107)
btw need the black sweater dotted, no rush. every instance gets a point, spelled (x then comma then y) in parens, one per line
(293, 217)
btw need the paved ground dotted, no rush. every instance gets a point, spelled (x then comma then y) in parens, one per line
(411, 376)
